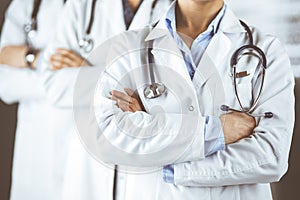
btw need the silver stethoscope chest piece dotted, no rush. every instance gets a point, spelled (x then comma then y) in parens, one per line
(154, 90)
(87, 44)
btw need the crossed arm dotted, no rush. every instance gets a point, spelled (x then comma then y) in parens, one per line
(14, 55)
(261, 157)
(235, 125)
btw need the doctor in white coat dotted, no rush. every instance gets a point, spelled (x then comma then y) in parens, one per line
(36, 174)
(244, 169)
(85, 178)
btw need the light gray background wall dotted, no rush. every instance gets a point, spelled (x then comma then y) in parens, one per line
(278, 17)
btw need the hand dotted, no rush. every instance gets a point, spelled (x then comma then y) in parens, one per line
(127, 102)
(64, 58)
(236, 126)
(15, 56)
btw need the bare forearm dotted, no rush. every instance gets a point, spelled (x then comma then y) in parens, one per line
(15, 56)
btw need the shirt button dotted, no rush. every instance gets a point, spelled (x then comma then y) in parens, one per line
(191, 108)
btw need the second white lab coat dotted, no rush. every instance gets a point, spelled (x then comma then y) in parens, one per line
(36, 173)
(241, 172)
(86, 178)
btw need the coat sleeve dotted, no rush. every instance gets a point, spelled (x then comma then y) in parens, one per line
(263, 157)
(18, 85)
(59, 85)
(13, 27)
(141, 139)
(65, 32)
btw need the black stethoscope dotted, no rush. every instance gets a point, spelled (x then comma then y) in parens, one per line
(249, 49)
(156, 89)
(87, 43)
(31, 27)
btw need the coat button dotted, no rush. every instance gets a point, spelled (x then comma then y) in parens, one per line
(191, 108)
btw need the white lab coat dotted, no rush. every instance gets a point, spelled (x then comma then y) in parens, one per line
(35, 173)
(85, 178)
(241, 172)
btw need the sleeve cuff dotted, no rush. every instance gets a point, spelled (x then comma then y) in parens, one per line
(168, 174)
(213, 136)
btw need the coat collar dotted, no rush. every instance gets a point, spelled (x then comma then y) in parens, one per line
(213, 64)
(229, 24)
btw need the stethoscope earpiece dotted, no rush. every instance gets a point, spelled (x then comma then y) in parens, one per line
(268, 115)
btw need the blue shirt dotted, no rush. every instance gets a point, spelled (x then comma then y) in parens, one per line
(213, 134)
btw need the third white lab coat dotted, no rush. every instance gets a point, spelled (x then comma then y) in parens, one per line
(86, 178)
(37, 172)
(241, 172)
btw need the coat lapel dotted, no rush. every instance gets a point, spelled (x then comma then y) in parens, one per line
(166, 52)
(214, 60)
(117, 7)
(209, 77)
(142, 16)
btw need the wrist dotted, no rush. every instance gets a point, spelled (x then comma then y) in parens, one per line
(31, 56)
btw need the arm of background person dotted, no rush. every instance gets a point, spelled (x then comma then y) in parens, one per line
(13, 40)
(17, 84)
(59, 84)
(13, 28)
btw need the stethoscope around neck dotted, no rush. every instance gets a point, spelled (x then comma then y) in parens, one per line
(31, 27)
(154, 89)
(157, 89)
(252, 50)
(87, 43)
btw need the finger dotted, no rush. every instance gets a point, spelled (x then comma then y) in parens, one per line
(120, 95)
(66, 52)
(134, 107)
(63, 60)
(131, 93)
(135, 100)
(123, 105)
(57, 65)
(71, 55)
(114, 97)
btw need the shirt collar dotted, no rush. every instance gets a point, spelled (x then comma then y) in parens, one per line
(212, 28)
